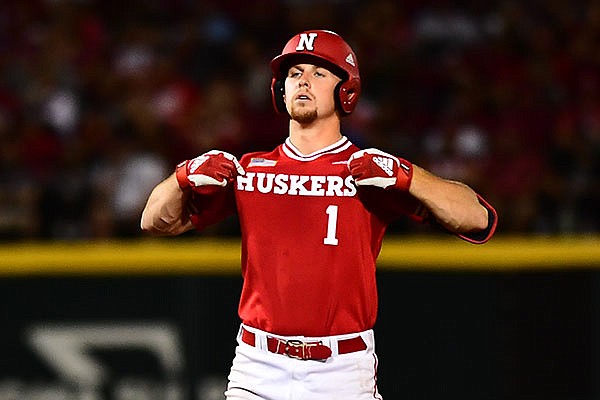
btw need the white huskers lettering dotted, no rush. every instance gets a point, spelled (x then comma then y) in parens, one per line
(297, 185)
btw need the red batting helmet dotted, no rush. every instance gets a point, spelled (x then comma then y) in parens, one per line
(329, 47)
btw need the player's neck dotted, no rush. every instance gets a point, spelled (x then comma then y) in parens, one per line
(316, 136)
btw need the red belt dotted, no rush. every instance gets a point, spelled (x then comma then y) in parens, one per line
(305, 350)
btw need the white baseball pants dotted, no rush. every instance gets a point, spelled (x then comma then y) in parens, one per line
(258, 374)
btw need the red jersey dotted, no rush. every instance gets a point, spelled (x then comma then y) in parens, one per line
(310, 239)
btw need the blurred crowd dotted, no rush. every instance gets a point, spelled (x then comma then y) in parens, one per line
(99, 100)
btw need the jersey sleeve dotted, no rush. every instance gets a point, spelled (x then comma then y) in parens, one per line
(390, 205)
(205, 210)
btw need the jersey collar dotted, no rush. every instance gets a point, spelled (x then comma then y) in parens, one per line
(292, 152)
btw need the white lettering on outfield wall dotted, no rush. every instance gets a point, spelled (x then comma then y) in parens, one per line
(67, 349)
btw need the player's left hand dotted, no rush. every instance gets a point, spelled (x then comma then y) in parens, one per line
(374, 167)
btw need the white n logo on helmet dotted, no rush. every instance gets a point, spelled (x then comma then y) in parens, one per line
(306, 42)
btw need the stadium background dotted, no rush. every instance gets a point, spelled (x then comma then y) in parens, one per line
(98, 101)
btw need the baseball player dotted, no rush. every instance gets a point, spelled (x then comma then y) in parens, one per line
(313, 213)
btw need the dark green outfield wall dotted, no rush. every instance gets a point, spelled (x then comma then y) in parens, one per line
(156, 320)
(458, 335)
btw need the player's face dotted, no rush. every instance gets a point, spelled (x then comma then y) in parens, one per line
(309, 92)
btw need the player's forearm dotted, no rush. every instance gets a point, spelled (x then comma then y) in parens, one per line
(454, 205)
(164, 213)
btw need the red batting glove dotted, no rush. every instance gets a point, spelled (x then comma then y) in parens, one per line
(208, 172)
(373, 167)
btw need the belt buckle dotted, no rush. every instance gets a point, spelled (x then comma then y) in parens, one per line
(298, 347)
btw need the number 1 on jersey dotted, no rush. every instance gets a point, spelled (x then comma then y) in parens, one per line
(332, 214)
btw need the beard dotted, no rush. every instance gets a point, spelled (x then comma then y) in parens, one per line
(303, 116)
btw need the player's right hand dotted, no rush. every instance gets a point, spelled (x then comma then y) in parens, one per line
(208, 172)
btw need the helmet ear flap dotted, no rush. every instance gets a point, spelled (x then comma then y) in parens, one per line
(348, 93)
(277, 94)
